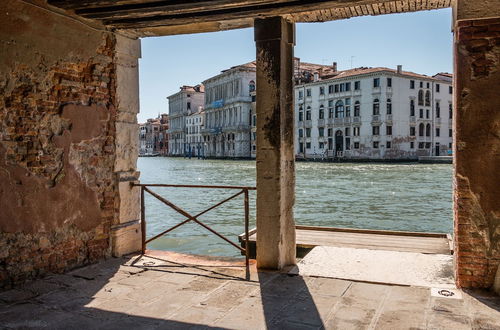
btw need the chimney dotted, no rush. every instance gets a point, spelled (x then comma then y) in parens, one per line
(400, 69)
(316, 76)
(334, 66)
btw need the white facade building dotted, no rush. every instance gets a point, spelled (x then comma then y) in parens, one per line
(228, 105)
(374, 114)
(194, 139)
(181, 104)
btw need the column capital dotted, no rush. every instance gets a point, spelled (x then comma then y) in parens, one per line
(274, 28)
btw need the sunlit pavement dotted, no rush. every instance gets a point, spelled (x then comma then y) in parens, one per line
(161, 292)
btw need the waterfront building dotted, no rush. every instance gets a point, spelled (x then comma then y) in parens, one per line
(194, 139)
(373, 114)
(228, 106)
(180, 105)
(153, 138)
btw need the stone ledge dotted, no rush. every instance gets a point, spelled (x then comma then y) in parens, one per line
(126, 238)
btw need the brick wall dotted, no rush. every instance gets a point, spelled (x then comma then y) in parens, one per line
(57, 143)
(477, 152)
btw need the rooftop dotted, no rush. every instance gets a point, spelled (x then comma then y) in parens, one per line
(163, 290)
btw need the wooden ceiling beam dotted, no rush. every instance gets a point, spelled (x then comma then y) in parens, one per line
(168, 8)
(263, 10)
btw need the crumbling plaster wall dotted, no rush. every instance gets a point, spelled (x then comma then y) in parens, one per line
(61, 158)
(477, 145)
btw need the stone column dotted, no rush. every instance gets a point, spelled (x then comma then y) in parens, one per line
(477, 144)
(126, 231)
(274, 38)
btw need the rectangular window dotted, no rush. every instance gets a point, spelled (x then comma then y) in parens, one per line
(347, 87)
(388, 144)
(437, 88)
(450, 145)
(189, 105)
(321, 131)
(438, 110)
(321, 90)
(337, 88)
(427, 113)
(412, 145)
(301, 133)
(389, 82)
(355, 131)
(347, 144)
(321, 145)
(330, 132)
(356, 145)
(308, 145)
(308, 115)
(450, 133)
(357, 85)
(301, 95)
(421, 84)
(421, 145)
(301, 116)
(347, 131)
(301, 147)
(330, 89)
(438, 132)
(428, 85)
(427, 145)
(421, 113)
(376, 130)
(412, 84)
(308, 132)
(450, 89)
(375, 144)
(376, 82)
(412, 130)
(342, 87)
(254, 120)
(450, 110)
(308, 92)
(388, 130)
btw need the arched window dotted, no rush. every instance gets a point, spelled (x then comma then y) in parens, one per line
(308, 113)
(428, 130)
(357, 109)
(251, 86)
(421, 129)
(412, 107)
(389, 106)
(428, 99)
(420, 97)
(376, 107)
(339, 109)
(321, 112)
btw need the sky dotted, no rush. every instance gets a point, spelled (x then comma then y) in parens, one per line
(421, 42)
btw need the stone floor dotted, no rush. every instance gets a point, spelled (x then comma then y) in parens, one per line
(161, 292)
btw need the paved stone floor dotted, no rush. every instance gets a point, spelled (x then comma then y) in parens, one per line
(163, 293)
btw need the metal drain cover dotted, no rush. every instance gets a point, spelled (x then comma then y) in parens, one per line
(148, 263)
(446, 293)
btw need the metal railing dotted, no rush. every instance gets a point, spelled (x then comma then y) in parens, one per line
(243, 190)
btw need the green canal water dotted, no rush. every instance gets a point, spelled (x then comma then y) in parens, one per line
(411, 197)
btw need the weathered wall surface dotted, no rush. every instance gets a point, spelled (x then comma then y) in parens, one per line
(477, 151)
(58, 186)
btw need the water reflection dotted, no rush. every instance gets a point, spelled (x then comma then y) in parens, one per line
(413, 197)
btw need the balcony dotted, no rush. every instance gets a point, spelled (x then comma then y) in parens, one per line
(308, 123)
(388, 117)
(347, 120)
(338, 121)
(356, 120)
(330, 121)
(321, 122)
(376, 119)
(412, 119)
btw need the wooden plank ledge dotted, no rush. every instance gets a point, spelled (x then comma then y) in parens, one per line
(309, 237)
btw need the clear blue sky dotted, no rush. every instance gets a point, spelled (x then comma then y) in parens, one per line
(421, 42)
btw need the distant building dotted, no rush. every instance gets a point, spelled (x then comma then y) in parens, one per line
(373, 113)
(227, 112)
(194, 139)
(153, 138)
(181, 104)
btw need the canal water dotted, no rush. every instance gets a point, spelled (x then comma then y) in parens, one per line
(410, 197)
